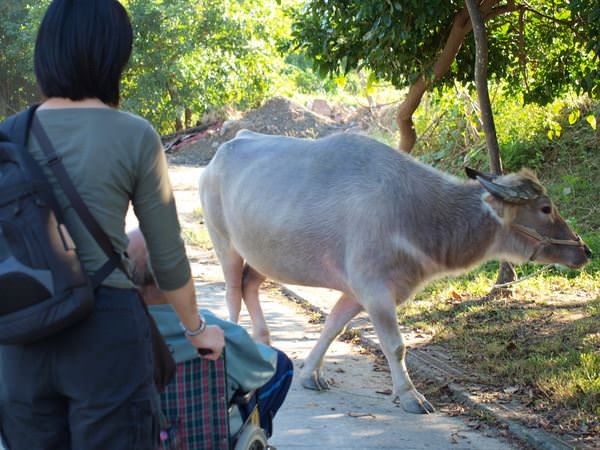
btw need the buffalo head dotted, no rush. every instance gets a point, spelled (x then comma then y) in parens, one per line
(531, 219)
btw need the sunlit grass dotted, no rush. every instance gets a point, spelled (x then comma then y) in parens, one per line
(197, 236)
(197, 215)
(545, 338)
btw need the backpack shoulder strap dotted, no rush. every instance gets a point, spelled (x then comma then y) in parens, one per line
(53, 160)
(16, 128)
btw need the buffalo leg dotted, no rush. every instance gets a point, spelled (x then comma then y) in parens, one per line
(250, 285)
(382, 311)
(345, 309)
(232, 265)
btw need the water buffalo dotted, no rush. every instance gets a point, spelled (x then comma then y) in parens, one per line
(349, 213)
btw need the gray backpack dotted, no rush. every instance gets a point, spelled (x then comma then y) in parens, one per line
(43, 287)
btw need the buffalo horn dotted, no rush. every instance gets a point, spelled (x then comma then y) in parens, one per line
(473, 174)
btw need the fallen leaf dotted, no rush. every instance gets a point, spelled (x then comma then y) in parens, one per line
(360, 415)
(455, 295)
(384, 392)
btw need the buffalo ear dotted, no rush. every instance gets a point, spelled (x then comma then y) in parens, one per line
(508, 194)
(496, 205)
(473, 174)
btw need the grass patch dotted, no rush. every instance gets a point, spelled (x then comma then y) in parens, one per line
(545, 339)
(197, 215)
(197, 237)
(194, 231)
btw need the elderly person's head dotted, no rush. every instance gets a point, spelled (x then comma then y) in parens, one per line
(140, 269)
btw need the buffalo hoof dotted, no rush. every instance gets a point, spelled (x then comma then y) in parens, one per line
(315, 381)
(414, 402)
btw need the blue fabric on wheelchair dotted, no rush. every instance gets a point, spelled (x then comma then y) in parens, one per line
(249, 364)
(270, 397)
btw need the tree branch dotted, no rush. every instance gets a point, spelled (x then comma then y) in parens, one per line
(461, 26)
(522, 55)
(567, 23)
(500, 10)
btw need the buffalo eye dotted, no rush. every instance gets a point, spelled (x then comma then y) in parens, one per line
(546, 209)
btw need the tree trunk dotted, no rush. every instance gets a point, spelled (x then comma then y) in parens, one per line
(187, 114)
(3, 106)
(178, 123)
(506, 273)
(172, 90)
(485, 106)
(460, 28)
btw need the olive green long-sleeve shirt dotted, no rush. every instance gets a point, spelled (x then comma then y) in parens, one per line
(114, 158)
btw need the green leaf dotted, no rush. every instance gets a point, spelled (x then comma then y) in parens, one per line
(573, 117)
(344, 64)
(372, 78)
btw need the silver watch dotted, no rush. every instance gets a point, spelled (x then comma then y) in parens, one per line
(197, 331)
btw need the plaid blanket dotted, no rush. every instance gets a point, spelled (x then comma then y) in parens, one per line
(194, 407)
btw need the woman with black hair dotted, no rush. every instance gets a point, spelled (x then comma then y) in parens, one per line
(91, 385)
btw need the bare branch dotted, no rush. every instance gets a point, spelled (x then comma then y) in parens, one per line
(500, 10)
(567, 23)
(571, 24)
(522, 55)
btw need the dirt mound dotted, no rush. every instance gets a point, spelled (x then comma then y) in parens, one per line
(282, 116)
(277, 115)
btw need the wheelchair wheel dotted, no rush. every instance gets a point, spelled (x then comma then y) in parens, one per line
(252, 438)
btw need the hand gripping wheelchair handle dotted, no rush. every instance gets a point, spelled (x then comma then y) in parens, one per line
(241, 398)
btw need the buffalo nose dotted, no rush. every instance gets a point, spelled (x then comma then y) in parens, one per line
(588, 251)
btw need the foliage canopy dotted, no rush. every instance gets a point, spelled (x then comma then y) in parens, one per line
(189, 56)
(193, 56)
(540, 48)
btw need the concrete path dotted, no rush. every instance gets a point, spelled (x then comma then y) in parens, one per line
(352, 415)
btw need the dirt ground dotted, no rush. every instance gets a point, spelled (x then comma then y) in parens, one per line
(278, 116)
